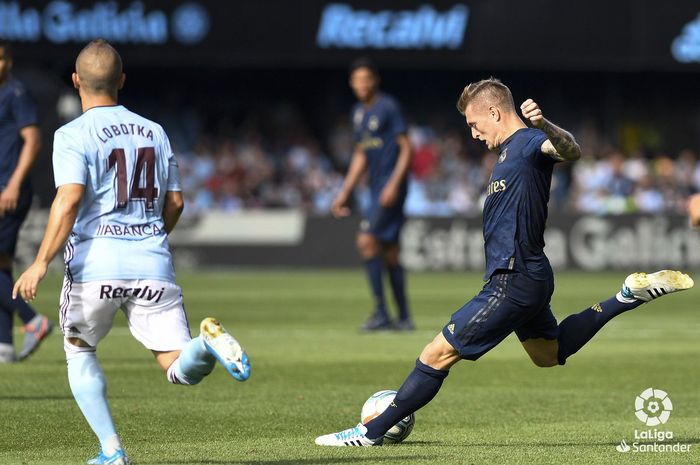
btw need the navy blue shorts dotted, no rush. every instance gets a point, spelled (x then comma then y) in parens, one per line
(510, 301)
(12, 222)
(384, 223)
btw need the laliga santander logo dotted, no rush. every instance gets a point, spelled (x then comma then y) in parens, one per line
(653, 407)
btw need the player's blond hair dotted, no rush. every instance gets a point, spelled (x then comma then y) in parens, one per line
(489, 91)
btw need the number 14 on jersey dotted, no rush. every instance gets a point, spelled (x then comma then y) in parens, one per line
(145, 156)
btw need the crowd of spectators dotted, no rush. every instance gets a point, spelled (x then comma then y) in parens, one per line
(449, 174)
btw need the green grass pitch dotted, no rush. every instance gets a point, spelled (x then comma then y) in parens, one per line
(312, 371)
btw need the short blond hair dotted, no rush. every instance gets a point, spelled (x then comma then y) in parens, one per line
(99, 67)
(490, 91)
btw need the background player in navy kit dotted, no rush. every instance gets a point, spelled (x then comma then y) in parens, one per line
(20, 141)
(694, 210)
(520, 282)
(382, 147)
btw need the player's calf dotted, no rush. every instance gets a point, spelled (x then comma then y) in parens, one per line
(542, 352)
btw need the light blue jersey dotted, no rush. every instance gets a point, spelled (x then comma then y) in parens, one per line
(126, 165)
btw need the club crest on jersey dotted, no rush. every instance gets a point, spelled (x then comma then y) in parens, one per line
(373, 123)
(502, 156)
(357, 118)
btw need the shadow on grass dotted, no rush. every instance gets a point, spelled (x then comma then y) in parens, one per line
(317, 461)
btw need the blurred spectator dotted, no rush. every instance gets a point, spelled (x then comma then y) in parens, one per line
(268, 162)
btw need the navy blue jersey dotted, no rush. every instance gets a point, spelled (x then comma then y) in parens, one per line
(375, 129)
(17, 110)
(515, 211)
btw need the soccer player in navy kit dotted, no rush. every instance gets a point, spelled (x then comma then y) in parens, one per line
(520, 280)
(383, 148)
(20, 141)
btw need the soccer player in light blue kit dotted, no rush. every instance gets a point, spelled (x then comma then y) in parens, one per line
(118, 198)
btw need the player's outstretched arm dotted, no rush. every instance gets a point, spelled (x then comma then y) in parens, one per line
(64, 210)
(174, 204)
(560, 144)
(339, 208)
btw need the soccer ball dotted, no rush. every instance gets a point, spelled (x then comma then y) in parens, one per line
(376, 404)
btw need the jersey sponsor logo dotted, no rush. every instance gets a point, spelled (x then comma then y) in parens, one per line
(117, 292)
(371, 143)
(122, 129)
(496, 186)
(141, 230)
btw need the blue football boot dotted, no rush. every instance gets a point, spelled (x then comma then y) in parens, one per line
(225, 348)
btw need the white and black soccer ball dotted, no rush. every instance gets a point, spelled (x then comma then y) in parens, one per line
(376, 404)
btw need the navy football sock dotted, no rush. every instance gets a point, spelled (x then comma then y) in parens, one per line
(419, 388)
(577, 329)
(5, 326)
(25, 312)
(397, 277)
(374, 274)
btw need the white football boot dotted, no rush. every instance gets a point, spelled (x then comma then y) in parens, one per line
(225, 348)
(350, 437)
(647, 287)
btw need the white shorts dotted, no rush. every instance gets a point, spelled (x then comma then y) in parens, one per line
(153, 309)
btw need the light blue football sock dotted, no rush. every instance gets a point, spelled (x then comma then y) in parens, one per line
(194, 363)
(87, 382)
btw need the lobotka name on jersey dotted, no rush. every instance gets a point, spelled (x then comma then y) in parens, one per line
(122, 129)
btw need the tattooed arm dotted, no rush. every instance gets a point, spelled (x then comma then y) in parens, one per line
(560, 144)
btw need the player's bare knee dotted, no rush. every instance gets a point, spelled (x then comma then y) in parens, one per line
(76, 347)
(545, 361)
(166, 359)
(367, 246)
(439, 354)
(391, 257)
